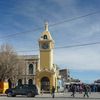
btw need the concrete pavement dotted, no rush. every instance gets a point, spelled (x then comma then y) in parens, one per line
(58, 96)
(68, 95)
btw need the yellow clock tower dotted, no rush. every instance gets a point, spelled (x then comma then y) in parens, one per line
(46, 76)
(46, 45)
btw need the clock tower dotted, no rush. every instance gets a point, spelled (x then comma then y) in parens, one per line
(46, 74)
(46, 45)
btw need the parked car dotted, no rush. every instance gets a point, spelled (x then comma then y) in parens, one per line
(28, 90)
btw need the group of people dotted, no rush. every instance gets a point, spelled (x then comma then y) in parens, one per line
(85, 89)
(73, 88)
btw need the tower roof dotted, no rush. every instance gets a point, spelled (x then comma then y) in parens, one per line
(46, 32)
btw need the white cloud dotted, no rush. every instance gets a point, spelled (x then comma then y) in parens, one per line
(79, 58)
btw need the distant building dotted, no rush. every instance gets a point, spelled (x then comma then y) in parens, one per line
(65, 77)
(97, 81)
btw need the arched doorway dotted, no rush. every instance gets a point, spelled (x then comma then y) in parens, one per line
(45, 84)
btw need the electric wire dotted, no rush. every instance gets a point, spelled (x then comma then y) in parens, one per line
(67, 46)
(52, 25)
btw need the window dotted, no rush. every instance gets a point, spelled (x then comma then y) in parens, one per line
(31, 69)
(45, 37)
(20, 82)
(30, 81)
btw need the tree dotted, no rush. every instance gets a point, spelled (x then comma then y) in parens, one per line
(8, 62)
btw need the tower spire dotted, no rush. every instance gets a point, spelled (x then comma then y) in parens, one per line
(46, 26)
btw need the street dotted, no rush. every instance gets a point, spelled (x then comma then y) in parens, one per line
(58, 96)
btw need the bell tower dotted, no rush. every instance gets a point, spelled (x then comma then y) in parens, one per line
(46, 75)
(46, 45)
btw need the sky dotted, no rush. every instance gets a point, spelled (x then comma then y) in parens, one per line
(71, 22)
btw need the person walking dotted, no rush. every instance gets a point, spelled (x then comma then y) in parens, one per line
(80, 89)
(53, 91)
(42, 91)
(86, 91)
(73, 88)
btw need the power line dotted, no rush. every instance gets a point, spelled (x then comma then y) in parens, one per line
(61, 22)
(75, 18)
(11, 35)
(62, 47)
(37, 8)
(77, 45)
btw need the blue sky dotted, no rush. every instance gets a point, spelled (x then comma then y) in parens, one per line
(25, 17)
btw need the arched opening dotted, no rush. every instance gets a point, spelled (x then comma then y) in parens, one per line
(45, 84)
(30, 68)
(20, 82)
(30, 81)
(45, 37)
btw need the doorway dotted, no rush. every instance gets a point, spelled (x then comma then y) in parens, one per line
(45, 84)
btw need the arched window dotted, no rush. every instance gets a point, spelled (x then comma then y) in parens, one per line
(30, 81)
(20, 82)
(45, 37)
(30, 68)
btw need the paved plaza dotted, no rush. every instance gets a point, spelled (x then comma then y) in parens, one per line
(59, 96)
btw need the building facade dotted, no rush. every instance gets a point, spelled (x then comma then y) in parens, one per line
(27, 70)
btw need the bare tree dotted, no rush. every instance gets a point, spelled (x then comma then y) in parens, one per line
(8, 62)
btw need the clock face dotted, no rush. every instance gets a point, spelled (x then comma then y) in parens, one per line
(45, 45)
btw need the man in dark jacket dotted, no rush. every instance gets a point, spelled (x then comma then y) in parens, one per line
(53, 91)
(73, 88)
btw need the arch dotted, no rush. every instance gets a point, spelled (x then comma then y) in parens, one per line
(30, 68)
(45, 84)
(20, 82)
(45, 37)
(30, 81)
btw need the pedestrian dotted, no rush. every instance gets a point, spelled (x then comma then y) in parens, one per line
(89, 89)
(53, 91)
(86, 91)
(73, 89)
(42, 92)
(80, 89)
